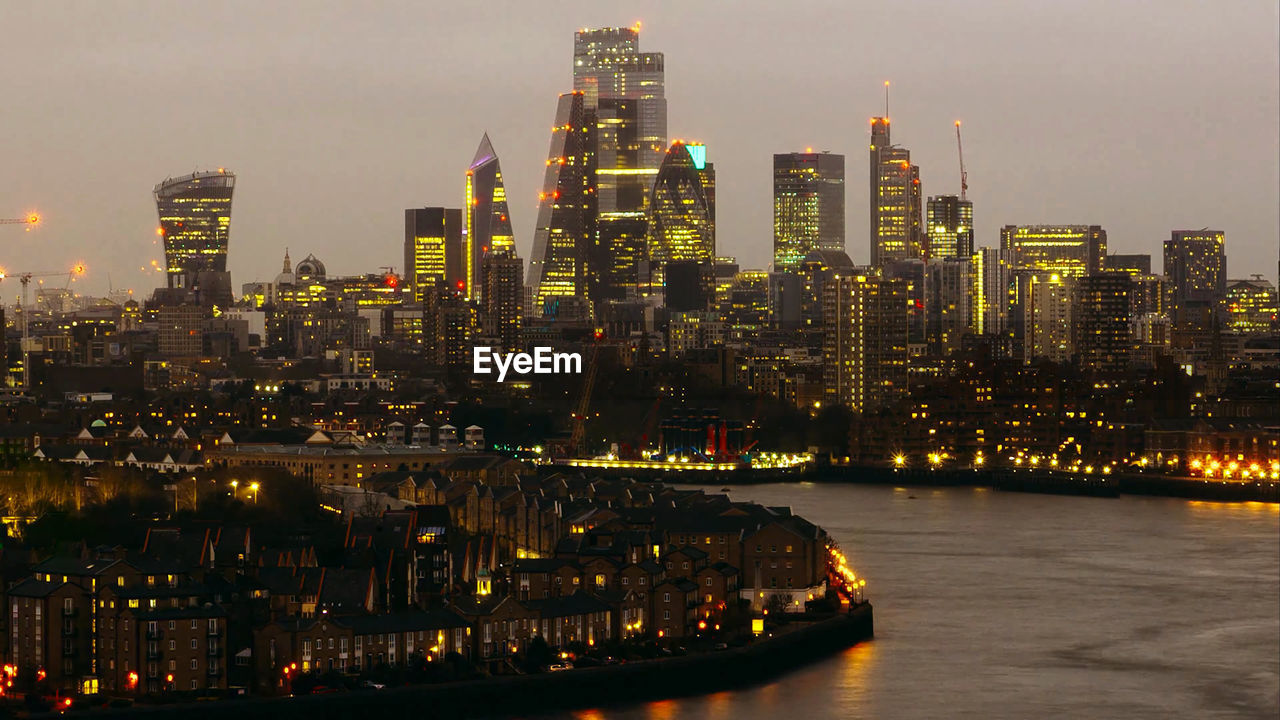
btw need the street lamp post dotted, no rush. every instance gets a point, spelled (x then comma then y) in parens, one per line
(254, 488)
(234, 485)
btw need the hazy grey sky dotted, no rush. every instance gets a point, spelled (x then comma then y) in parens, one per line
(1140, 116)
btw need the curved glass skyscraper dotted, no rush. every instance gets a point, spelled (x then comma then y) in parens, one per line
(682, 211)
(195, 222)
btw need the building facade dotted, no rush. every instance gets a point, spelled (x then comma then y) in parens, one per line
(808, 206)
(895, 200)
(195, 223)
(949, 224)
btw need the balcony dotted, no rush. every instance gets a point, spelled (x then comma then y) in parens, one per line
(154, 654)
(68, 611)
(155, 634)
(214, 670)
(70, 651)
(215, 651)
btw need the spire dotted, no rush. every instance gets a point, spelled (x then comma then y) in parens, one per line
(288, 266)
(484, 153)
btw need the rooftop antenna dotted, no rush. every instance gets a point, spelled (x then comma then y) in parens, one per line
(886, 98)
(964, 176)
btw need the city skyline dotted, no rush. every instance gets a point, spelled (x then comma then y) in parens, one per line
(347, 191)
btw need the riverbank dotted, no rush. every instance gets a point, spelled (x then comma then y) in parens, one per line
(1021, 480)
(524, 695)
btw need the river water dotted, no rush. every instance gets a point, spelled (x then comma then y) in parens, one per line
(1009, 605)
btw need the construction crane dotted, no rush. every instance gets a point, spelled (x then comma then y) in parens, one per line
(964, 176)
(31, 220)
(584, 403)
(26, 277)
(24, 307)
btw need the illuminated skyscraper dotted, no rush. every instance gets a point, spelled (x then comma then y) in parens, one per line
(566, 209)
(608, 64)
(808, 206)
(1195, 265)
(682, 211)
(195, 222)
(488, 220)
(895, 200)
(949, 224)
(1069, 250)
(864, 352)
(433, 249)
(622, 185)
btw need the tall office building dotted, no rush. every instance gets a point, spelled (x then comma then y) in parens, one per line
(808, 206)
(1101, 321)
(990, 273)
(622, 189)
(566, 211)
(682, 211)
(949, 223)
(1195, 266)
(433, 249)
(864, 353)
(195, 222)
(608, 64)
(817, 270)
(895, 200)
(1252, 306)
(488, 220)
(1068, 250)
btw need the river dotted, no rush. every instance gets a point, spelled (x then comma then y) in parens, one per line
(1009, 605)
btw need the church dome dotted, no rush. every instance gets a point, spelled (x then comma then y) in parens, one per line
(309, 268)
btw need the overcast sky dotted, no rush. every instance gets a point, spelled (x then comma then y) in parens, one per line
(336, 116)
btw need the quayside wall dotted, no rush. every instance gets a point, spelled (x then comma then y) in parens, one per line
(802, 643)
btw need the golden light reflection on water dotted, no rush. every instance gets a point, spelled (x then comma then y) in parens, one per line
(1219, 508)
(589, 714)
(662, 710)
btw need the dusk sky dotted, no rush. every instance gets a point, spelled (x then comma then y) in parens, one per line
(336, 116)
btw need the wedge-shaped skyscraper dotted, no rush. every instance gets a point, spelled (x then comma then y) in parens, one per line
(487, 224)
(566, 211)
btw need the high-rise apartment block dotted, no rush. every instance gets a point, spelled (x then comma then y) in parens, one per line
(1195, 266)
(1102, 321)
(864, 354)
